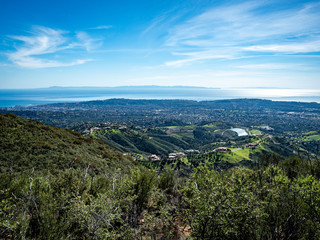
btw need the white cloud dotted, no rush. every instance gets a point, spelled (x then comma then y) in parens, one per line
(243, 22)
(162, 22)
(301, 47)
(102, 27)
(36, 49)
(87, 42)
(199, 56)
(154, 23)
(274, 66)
(246, 28)
(29, 62)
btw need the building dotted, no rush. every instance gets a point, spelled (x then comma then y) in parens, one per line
(154, 157)
(222, 149)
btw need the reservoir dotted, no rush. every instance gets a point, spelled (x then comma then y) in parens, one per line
(240, 131)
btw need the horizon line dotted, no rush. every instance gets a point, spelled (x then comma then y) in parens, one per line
(165, 86)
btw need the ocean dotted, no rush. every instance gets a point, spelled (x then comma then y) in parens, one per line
(27, 97)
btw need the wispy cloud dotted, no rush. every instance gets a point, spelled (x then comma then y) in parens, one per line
(201, 56)
(37, 49)
(253, 26)
(102, 27)
(85, 41)
(163, 22)
(273, 66)
(154, 23)
(309, 46)
(29, 62)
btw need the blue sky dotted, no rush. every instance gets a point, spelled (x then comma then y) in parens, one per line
(169, 42)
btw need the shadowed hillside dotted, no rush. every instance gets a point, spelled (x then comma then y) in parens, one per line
(28, 144)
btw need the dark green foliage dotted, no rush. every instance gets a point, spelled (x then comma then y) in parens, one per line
(142, 189)
(141, 142)
(295, 167)
(52, 188)
(235, 204)
(232, 205)
(29, 144)
(167, 180)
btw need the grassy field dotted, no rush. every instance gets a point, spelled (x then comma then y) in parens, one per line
(312, 138)
(238, 155)
(311, 133)
(180, 135)
(210, 125)
(255, 132)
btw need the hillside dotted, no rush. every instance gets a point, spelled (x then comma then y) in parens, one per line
(28, 144)
(199, 139)
(142, 140)
(82, 188)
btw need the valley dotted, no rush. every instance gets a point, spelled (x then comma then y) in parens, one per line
(142, 128)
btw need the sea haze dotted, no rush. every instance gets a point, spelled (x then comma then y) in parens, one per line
(26, 97)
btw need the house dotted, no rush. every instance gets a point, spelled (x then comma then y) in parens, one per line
(172, 156)
(94, 129)
(180, 154)
(154, 157)
(176, 155)
(123, 128)
(85, 132)
(222, 149)
(192, 151)
(252, 145)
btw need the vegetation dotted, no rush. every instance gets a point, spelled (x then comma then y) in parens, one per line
(255, 132)
(58, 184)
(241, 203)
(271, 202)
(164, 126)
(29, 145)
(141, 141)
